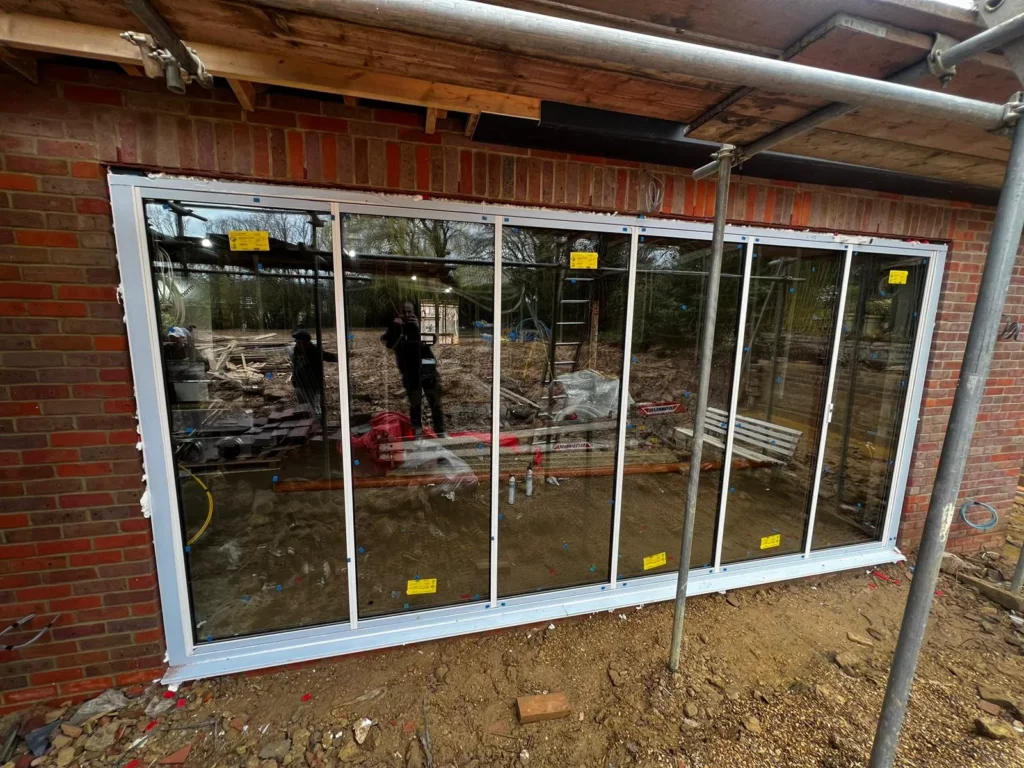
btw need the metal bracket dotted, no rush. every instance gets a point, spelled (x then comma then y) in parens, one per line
(942, 43)
(160, 62)
(726, 150)
(1013, 109)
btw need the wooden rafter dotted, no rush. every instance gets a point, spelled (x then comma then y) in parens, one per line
(47, 35)
(430, 124)
(244, 92)
(26, 66)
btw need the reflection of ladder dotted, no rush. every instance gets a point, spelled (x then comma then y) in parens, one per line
(573, 323)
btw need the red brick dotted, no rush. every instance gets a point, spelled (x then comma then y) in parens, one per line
(26, 291)
(95, 207)
(91, 94)
(49, 455)
(121, 541)
(45, 239)
(86, 170)
(58, 309)
(319, 123)
(36, 165)
(88, 686)
(18, 181)
(30, 695)
(87, 292)
(75, 500)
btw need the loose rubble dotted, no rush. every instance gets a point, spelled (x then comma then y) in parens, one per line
(791, 676)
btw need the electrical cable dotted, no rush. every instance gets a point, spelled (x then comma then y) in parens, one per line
(21, 623)
(209, 511)
(985, 526)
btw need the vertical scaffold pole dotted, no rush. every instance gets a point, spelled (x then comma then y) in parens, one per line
(981, 341)
(724, 158)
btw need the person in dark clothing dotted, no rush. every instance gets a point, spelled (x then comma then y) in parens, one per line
(418, 367)
(308, 361)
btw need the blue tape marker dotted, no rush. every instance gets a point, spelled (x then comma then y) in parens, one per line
(565, 546)
(278, 587)
(270, 374)
(245, 598)
(273, 479)
(361, 550)
(357, 462)
(188, 549)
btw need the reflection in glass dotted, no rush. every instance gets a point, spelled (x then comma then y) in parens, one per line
(784, 373)
(671, 285)
(563, 323)
(245, 311)
(883, 303)
(419, 306)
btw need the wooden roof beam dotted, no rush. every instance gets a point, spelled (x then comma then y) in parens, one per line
(26, 66)
(244, 92)
(36, 33)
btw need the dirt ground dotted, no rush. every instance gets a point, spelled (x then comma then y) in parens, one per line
(760, 685)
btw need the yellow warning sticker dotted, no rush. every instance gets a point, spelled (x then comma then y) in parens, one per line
(583, 260)
(248, 240)
(898, 276)
(421, 587)
(767, 542)
(655, 561)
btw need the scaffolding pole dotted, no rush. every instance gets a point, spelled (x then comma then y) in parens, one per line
(937, 63)
(724, 159)
(981, 340)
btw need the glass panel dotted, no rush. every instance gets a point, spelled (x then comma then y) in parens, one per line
(419, 314)
(668, 314)
(245, 308)
(563, 324)
(883, 303)
(790, 320)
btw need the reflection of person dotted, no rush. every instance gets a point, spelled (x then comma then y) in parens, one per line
(308, 369)
(418, 367)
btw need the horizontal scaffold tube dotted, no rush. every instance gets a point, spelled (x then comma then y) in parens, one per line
(534, 34)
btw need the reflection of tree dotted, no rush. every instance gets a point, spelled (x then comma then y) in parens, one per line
(376, 288)
(226, 295)
(418, 238)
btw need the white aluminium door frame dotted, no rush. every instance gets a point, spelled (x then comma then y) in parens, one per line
(190, 659)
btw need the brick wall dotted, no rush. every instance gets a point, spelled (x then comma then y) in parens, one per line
(72, 537)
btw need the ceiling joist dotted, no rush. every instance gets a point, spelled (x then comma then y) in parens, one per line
(55, 36)
(24, 65)
(244, 92)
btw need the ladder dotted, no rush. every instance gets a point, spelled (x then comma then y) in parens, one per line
(573, 323)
